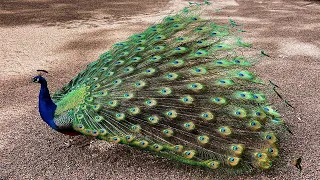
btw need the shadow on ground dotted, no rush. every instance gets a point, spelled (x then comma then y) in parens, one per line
(47, 12)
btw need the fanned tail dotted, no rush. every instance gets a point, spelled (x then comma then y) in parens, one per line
(182, 89)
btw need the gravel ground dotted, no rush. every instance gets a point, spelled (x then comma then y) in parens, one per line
(64, 36)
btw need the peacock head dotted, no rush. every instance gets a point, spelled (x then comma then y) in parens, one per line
(39, 78)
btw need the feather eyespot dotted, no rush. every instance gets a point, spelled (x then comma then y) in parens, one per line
(150, 71)
(140, 49)
(128, 69)
(240, 113)
(129, 138)
(165, 91)
(135, 128)
(207, 116)
(167, 132)
(178, 148)
(128, 95)
(171, 76)
(255, 125)
(213, 164)
(150, 102)
(135, 59)
(260, 156)
(196, 87)
(115, 139)
(117, 81)
(113, 103)
(189, 154)
(134, 110)
(109, 73)
(224, 131)
(270, 137)
(143, 144)
(89, 99)
(189, 126)
(139, 84)
(271, 150)
(98, 118)
(120, 116)
(157, 147)
(102, 132)
(153, 119)
(187, 100)
(83, 106)
(119, 62)
(79, 127)
(203, 139)
(171, 114)
(233, 161)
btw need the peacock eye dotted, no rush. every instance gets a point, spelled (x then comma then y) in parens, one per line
(36, 79)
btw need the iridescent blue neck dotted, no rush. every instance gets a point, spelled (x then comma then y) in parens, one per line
(46, 105)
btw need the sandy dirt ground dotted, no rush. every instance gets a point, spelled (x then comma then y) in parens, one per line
(64, 36)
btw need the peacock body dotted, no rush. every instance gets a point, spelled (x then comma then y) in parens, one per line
(181, 89)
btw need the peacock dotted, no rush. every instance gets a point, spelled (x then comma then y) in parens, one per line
(183, 89)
